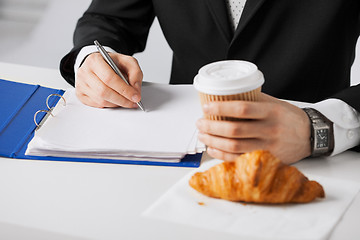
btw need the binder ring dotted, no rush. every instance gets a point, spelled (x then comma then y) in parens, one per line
(47, 111)
(54, 94)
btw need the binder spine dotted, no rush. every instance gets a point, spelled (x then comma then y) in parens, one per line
(21, 143)
(19, 107)
(29, 131)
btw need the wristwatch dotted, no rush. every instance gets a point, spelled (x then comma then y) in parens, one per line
(322, 133)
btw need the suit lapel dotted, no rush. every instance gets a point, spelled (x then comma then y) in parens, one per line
(218, 10)
(251, 7)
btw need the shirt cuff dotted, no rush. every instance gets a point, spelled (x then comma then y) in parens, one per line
(346, 123)
(84, 52)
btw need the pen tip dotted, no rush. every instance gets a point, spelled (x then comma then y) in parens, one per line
(141, 106)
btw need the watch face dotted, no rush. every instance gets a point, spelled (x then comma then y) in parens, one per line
(322, 139)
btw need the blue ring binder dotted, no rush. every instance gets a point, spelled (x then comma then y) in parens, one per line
(18, 104)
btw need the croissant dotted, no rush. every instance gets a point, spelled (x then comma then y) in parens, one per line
(257, 177)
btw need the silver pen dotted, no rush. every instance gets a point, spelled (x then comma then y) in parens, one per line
(108, 59)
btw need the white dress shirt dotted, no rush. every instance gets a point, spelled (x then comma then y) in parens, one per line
(345, 118)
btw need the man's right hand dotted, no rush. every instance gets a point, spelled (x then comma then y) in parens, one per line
(97, 84)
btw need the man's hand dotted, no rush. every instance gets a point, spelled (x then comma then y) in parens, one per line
(97, 84)
(270, 124)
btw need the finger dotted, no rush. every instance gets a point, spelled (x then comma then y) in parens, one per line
(81, 88)
(238, 109)
(107, 75)
(89, 102)
(102, 94)
(218, 154)
(231, 145)
(231, 129)
(131, 68)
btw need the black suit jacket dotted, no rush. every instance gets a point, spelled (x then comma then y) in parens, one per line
(304, 48)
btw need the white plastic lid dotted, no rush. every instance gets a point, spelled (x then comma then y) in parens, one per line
(228, 78)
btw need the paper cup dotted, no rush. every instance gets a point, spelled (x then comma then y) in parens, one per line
(228, 81)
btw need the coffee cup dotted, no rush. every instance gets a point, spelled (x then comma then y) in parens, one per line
(230, 80)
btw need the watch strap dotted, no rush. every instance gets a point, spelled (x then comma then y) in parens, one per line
(320, 124)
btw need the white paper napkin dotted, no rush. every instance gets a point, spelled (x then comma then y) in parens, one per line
(315, 220)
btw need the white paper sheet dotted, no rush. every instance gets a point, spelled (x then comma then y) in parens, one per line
(167, 129)
(315, 220)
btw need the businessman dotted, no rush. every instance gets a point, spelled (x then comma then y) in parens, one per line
(304, 48)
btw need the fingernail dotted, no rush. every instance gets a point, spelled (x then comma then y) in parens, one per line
(135, 98)
(206, 107)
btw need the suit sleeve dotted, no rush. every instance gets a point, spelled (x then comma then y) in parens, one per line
(122, 25)
(351, 96)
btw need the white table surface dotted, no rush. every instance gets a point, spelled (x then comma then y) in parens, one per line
(65, 200)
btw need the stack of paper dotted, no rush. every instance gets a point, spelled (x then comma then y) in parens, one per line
(165, 132)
